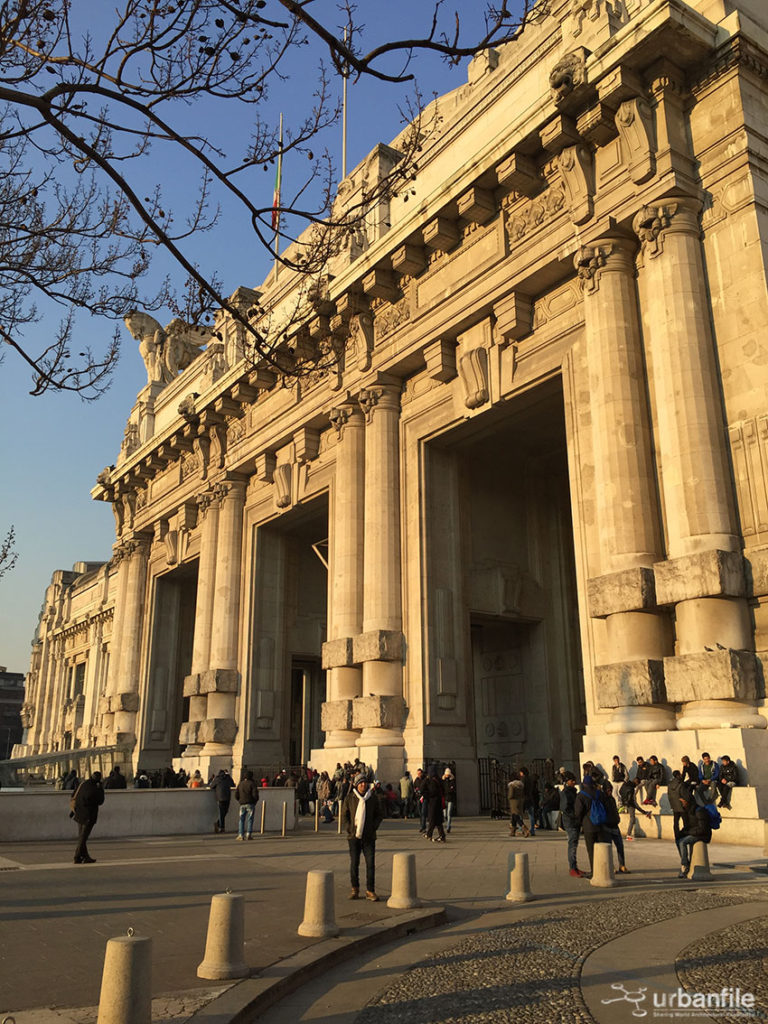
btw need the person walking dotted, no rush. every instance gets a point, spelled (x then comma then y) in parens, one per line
(115, 779)
(85, 805)
(222, 784)
(628, 798)
(570, 824)
(247, 795)
(515, 803)
(449, 797)
(361, 815)
(421, 807)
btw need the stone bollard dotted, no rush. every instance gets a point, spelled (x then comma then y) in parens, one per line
(126, 984)
(404, 882)
(224, 944)
(602, 866)
(519, 883)
(699, 869)
(319, 911)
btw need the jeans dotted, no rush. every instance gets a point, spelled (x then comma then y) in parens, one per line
(684, 845)
(448, 815)
(614, 832)
(531, 818)
(368, 850)
(245, 823)
(223, 808)
(572, 831)
(84, 830)
(423, 816)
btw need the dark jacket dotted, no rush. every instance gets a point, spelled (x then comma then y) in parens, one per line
(222, 785)
(87, 801)
(677, 790)
(619, 772)
(627, 795)
(690, 773)
(247, 791)
(656, 773)
(374, 815)
(729, 773)
(567, 801)
(115, 780)
(697, 824)
(449, 790)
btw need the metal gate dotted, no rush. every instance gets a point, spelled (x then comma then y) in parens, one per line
(494, 776)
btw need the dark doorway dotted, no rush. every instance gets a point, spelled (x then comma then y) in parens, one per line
(307, 696)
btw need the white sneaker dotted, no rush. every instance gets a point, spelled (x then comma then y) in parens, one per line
(239, 838)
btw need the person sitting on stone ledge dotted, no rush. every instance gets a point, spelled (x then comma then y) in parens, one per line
(728, 778)
(655, 778)
(619, 772)
(196, 782)
(690, 772)
(641, 778)
(709, 773)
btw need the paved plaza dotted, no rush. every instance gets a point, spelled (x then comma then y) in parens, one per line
(575, 953)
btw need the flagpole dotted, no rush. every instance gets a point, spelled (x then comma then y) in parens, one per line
(276, 198)
(344, 117)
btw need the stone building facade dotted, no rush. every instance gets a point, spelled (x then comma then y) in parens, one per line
(527, 513)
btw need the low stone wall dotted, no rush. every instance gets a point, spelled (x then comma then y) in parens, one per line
(34, 814)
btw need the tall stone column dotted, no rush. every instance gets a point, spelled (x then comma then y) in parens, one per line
(124, 702)
(345, 585)
(106, 716)
(380, 713)
(637, 633)
(713, 671)
(208, 521)
(221, 682)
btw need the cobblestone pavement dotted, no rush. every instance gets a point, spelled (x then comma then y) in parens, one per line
(530, 972)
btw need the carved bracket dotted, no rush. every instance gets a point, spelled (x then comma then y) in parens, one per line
(634, 120)
(578, 178)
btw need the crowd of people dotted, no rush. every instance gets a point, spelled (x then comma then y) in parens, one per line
(592, 810)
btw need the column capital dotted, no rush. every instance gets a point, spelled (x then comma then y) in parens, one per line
(342, 415)
(679, 214)
(605, 255)
(380, 396)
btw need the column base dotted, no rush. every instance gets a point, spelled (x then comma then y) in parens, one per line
(341, 739)
(720, 714)
(641, 718)
(378, 737)
(388, 761)
(325, 759)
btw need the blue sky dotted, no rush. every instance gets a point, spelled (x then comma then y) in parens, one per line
(55, 445)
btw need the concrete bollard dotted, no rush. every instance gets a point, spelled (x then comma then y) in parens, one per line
(403, 882)
(224, 943)
(602, 866)
(126, 984)
(319, 910)
(699, 869)
(519, 880)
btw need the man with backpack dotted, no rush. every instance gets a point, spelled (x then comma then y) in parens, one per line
(590, 814)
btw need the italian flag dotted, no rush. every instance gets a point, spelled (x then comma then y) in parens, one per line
(278, 177)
